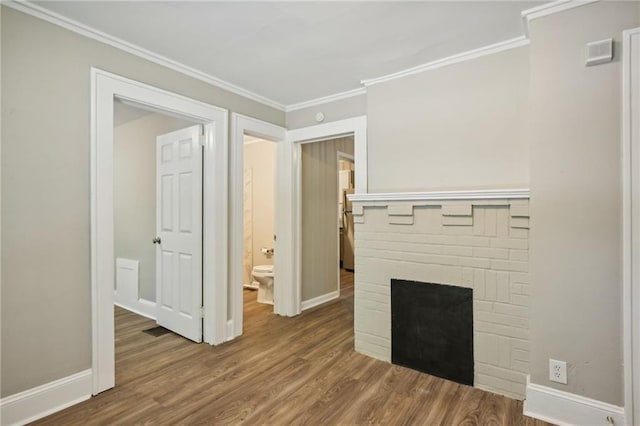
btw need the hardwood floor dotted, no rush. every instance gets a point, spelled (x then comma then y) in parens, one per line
(282, 371)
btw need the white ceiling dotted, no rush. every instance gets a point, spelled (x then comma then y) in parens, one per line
(290, 52)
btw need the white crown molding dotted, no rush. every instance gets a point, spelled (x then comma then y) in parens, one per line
(528, 15)
(549, 9)
(92, 33)
(454, 59)
(564, 408)
(327, 99)
(489, 194)
(41, 401)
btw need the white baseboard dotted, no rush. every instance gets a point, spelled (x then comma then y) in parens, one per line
(564, 408)
(308, 304)
(230, 328)
(142, 307)
(127, 291)
(41, 401)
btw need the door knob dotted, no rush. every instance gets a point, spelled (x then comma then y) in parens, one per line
(156, 240)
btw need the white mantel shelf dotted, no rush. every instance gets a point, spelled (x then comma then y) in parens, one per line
(489, 194)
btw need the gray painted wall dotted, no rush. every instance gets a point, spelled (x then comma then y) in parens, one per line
(457, 127)
(486, 123)
(574, 137)
(319, 218)
(134, 193)
(46, 320)
(576, 311)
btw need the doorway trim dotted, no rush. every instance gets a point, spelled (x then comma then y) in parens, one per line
(356, 127)
(241, 124)
(631, 224)
(105, 88)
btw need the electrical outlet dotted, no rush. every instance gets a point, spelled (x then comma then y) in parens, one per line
(558, 371)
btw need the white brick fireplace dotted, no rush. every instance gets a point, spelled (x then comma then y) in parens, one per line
(481, 244)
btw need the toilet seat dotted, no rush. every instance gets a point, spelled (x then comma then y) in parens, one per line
(263, 278)
(263, 269)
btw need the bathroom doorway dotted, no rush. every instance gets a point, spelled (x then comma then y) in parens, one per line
(258, 228)
(287, 244)
(243, 126)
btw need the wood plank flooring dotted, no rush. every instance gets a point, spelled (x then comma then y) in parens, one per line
(282, 371)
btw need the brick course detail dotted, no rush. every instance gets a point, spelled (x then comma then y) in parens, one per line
(480, 244)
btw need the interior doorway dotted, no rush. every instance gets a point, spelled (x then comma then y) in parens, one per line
(346, 187)
(248, 129)
(158, 217)
(346, 235)
(259, 163)
(327, 177)
(355, 127)
(287, 288)
(106, 88)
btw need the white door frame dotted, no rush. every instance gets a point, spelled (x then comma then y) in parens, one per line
(631, 225)
(357, 127)
(105, 87)
(241, 124)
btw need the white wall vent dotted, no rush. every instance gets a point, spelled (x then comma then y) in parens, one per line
(599, 52)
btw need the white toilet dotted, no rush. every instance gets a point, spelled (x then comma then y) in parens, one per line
(263, 275)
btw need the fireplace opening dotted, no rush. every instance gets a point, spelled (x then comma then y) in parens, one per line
(432, 329)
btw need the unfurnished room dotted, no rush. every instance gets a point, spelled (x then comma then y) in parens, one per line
(320, 212)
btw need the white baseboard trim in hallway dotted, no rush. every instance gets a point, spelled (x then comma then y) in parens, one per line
(41, 401)
(311, 303)
(564, 408)
(230, 329)
(142, 307)
(127, 291)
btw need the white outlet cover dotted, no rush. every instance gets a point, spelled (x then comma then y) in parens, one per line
(558, 371)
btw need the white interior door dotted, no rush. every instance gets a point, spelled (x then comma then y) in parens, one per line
(179, 232)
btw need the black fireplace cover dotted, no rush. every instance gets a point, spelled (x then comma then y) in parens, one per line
(432, 329)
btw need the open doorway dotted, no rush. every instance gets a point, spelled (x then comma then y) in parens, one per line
(135, 136)
(106, 89)
(287, 244)
(157, 201)
(357, 129)
(346, 187)
(157, 173)
(327, 258)
(245, 246)
(259, 165)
